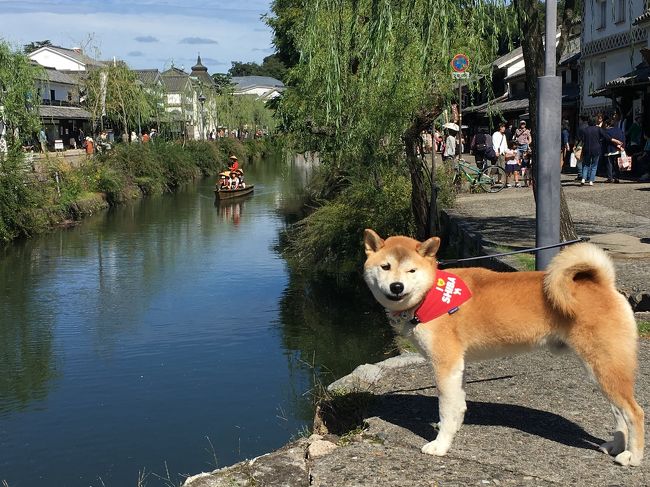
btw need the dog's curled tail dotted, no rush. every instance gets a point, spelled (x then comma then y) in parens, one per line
(576, 263)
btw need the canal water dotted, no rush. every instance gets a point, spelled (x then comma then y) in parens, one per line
(167, 337)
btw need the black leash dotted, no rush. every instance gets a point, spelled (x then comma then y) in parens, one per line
(524, 251)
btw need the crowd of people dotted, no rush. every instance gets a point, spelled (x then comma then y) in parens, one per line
(607, 145)
(603, 145)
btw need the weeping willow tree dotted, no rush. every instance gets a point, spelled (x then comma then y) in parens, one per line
(373, 74)
(19, 122)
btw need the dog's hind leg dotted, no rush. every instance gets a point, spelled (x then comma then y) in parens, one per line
(613, 363)
(452, 406)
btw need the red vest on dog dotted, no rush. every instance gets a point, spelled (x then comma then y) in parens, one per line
(448, 292)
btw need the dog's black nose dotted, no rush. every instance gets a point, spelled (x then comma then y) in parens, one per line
(396, 287)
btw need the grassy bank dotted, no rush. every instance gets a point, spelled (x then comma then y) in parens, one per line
(32, 203)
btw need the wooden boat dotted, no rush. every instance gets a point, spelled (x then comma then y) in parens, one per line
(224, 194)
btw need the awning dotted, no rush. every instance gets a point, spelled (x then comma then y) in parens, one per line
(63, 113)
(501, 104)
(639, 77)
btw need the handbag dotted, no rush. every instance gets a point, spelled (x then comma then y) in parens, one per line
(578, 152)
(573, 160)
(624, 162)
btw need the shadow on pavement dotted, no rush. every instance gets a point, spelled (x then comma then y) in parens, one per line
(416, 413)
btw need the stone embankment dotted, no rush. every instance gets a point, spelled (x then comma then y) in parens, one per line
(532, 420)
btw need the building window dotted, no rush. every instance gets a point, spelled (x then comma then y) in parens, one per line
(52, 95)
(620, 14)
(601, 21)
(601, 74)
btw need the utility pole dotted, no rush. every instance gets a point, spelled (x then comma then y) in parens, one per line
(547, 167)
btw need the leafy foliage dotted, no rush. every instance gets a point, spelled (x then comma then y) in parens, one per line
(271, 66)
(372, 75)
(18, 95)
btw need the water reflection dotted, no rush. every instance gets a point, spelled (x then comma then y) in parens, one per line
(330, 327)
(231, 211)
(27, 362)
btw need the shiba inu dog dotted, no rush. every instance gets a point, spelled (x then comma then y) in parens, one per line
(466, 315)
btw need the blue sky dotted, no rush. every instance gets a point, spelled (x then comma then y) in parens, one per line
(145, 33)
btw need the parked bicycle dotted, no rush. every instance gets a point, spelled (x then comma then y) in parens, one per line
(489, 178)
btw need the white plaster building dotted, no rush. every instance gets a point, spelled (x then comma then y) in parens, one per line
(263, 87)
(63, 59)
(611, 44)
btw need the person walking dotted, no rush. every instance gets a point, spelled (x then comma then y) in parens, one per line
(615, 131)
(479, 146)
(450, 146)
(592, 135)
(500, 144)
(523, 138)
(42, 139)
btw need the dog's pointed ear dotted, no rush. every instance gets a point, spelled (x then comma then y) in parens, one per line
(372, 241)
(429, 247)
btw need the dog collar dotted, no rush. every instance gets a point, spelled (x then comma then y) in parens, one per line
(447, 294)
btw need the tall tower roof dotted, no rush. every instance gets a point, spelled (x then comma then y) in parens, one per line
(199, 66)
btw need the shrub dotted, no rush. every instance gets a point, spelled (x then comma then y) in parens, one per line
(207, 156)
(19, 198)
(329, 240)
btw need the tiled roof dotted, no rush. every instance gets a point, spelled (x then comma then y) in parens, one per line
(203, 78)
(147, 76)
(46, 111)
(508, 58)
(641, 19)
(174, 71)
(501, 104)
(640, 76)
(175, 84)
(248, 82)
(51, 74)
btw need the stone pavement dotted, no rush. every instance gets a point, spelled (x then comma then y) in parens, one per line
(532, 420)
(614, 216)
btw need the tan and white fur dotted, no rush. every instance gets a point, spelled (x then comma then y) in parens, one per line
(574, 304)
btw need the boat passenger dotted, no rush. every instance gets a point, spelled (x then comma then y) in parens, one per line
(234, 181)
(235, 163)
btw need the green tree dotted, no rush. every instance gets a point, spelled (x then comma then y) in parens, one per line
(114, 92)
(374, 74)
(33, 46)
(19, 98)
(18, 113)
(271, 66)
(285, 21)
(223, 82)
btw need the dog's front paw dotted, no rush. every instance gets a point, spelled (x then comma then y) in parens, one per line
(435, 448)
(626, 458)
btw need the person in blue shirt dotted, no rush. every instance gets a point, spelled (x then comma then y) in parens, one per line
(591, 137)
(615, 131)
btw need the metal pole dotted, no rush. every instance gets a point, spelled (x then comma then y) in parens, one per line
(460, 120)
(549, 113)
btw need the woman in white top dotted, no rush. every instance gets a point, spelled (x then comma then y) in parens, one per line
(500, 144)
(450, 146)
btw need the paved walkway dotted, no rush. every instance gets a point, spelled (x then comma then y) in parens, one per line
(614, 216)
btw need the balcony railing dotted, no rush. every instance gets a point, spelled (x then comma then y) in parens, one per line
(60, 103)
